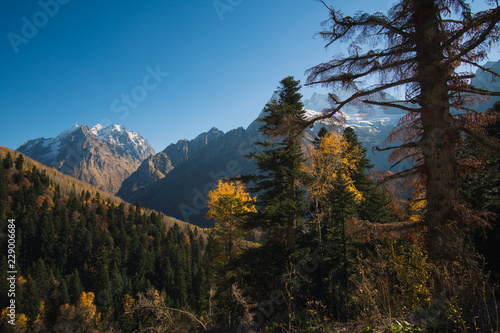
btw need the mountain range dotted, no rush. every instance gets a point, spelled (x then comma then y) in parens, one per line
(177, 180)
(101, 156)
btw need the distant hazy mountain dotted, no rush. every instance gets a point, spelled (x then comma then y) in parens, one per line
(101, 156)
(486, 80)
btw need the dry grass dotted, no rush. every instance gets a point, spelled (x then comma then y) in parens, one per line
(400, 290)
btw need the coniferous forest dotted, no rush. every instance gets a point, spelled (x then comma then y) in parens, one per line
(315, 240)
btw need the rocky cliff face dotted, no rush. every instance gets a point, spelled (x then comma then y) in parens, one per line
(157, 167)
(102, 161)
(129, 141)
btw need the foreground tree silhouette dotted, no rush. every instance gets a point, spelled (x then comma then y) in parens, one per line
(418, 46)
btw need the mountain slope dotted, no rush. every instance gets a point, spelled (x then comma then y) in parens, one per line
(101, 156)
(184, 189)
(158, 166)
(68, 184)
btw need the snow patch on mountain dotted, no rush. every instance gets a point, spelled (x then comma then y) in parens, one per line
(50, 146)
(119, 136)
(317, 102)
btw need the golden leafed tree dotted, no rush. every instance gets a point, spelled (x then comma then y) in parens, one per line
(330, 166)
(229, 205)
(332, 159)
(83, 316)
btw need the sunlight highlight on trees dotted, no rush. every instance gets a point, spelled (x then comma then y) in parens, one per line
(228, 205)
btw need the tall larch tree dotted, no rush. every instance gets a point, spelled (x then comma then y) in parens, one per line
(418, 46)
(229, 205)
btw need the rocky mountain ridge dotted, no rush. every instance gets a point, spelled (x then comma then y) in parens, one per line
(102, 156)
(158, 166)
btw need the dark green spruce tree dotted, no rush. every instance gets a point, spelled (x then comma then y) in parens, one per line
(7, 161)
(377, 204)
(278, 184)
(281, 203)
(480, 190)
(19, 162)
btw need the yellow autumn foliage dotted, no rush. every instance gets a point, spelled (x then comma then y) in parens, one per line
(128, 301)
(228, 205)
(84, 314)
(228, 201)
(38, 323)
(417, 206)
(21, 323)
(332, 163)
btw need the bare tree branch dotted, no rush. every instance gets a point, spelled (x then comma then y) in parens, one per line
(192, 316)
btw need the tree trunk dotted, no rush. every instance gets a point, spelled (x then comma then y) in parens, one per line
(438, 137)
(231, 233)
(292, 216)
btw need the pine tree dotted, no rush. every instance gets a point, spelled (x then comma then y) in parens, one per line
(7, 161)
(63, 292)
(321, 134)
(19, 162)
(377, 205)
(363, 164)
(31, 299)
(75, 288)
(280, 196)
(480, 191)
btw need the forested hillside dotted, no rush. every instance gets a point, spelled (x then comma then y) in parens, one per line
(82, 258)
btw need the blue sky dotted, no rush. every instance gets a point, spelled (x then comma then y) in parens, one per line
(166, 69)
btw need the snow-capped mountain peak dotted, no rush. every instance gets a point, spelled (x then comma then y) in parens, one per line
(104, 131)
(103, 156)
(68, 132)
(118, 135)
